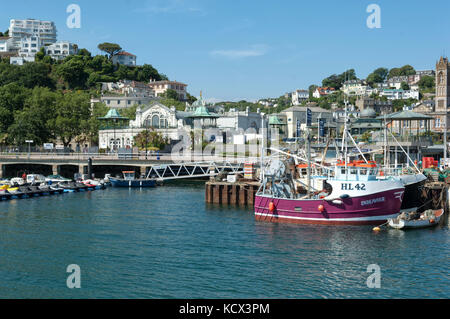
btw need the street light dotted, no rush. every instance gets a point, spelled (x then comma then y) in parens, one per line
(29, 147)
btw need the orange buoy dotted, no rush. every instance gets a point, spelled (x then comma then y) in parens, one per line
(321, 208)
(431, 221)
(271, 206)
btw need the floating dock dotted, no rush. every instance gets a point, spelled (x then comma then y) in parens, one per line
(33, 191)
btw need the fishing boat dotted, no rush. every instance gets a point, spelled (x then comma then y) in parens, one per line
(353, 192)
(413, 219)
(129, 180)
(353, 196)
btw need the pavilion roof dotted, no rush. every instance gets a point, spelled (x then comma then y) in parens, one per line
(405, 115)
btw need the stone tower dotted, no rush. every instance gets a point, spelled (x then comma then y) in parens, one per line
(442, 94)
(442, 85)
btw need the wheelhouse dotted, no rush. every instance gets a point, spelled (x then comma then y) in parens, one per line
(128, 175)
(356, 171)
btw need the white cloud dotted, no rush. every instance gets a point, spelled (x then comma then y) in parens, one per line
(253, 51)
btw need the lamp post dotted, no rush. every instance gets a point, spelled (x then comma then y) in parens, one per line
(146, 138)
(29, 147)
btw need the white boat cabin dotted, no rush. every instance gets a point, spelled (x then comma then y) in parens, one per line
(356, 171)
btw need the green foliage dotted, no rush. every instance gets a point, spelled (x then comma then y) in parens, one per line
(399, 104)
(404, 70)
(427, 84)
(71, 114)
(41, 100)
(190, 99)
(312, 88)
(405, 86)
(171, 94)
(377, 76)
(32, 122)
(12, 99)
(73, 73)
(110, 48)
(336, 81)
(150, 138)
(179, 105)
(29, 75)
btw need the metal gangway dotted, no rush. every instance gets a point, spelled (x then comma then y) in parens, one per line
(193, 170)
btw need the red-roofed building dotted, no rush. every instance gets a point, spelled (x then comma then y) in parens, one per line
(323, 91)
(124, 58)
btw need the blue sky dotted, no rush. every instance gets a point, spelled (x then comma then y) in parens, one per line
(249, 49)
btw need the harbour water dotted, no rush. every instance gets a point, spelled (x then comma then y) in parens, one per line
(167, 243)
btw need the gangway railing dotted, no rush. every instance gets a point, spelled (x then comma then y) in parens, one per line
(193, 170)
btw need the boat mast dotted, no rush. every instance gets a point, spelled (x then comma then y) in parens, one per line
(262, 148)
(308, 143)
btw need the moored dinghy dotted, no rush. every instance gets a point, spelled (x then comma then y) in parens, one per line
(413, 219)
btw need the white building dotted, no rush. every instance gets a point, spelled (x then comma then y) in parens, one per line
(240, 120)
(298, 113)
(124, 58)
(300, 96)
(355, 88)
(399, 94)
(160, 87)
(20, 29)
(123, 101)
(60, 50)
(20, 60)
(5, 44)
(29, 46)
(323, 91)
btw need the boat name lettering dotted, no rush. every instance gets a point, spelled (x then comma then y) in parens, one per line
(372, 201)
(350, 187)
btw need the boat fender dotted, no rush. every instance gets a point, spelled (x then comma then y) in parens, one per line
(271, 207)
(343, 196)
(431, 221)
(321, 208)
(337, 202)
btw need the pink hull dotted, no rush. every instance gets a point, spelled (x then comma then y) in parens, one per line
(364, 210)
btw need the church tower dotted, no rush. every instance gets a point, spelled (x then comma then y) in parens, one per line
(442, 85)
(442, 107)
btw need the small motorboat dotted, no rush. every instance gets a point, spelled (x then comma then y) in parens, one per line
(413, 219)
(129, 180)
(68, 187)
(35, 179)
(56, 179)
(17, 181)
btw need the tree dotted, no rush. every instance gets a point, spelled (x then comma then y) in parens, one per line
(92, 125)
(336, 81)
(172, 94)
(110, 48)
(150, 138)
(41, 54)
(12, 99)
(191, 99)
(84, 52)
(404, 86)
(403, 71)
(377, 76)
(311, 89)
(147, 72)
(427, 83)
(72, 111)
(32, 122)
(72, 73)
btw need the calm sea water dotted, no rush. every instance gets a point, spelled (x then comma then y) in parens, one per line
(167, 243)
